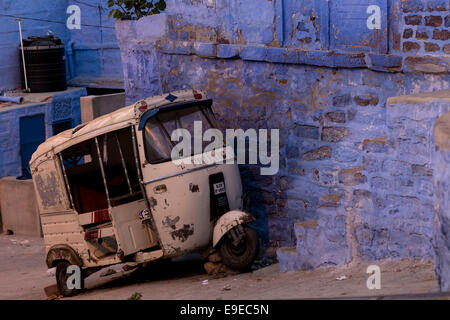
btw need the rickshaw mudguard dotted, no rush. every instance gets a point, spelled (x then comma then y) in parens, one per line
(228, 221)
(63, 252)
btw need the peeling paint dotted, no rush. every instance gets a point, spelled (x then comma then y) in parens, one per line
(171, 223)
(184, 233)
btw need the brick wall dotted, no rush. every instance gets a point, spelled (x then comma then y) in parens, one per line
(426, 31)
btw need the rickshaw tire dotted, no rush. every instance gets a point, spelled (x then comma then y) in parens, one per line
(243, 261)
(61, 279)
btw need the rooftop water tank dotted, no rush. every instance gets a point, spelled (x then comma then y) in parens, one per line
(45, 63)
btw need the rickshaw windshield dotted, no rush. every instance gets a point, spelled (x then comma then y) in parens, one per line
(159, 128)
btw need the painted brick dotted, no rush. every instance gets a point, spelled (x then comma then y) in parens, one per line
(431, 47)
(422, 35)
(317, 154)
(334, 134)
(433, 21)
(441, 34)
(305, 131)
(367, 99)
(410, 46)
(352, 177)
(336, 116)
(408, 33)
(413, 20)
(342, 100)
(447, 49)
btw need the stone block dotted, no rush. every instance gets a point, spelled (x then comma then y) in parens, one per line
(306, 131)
(342, 100)
(317, 154)
(352, 177)
(413, 20)
(253, 53)
(334, 134)
(428, 64)
(433, 21)
(335, 116)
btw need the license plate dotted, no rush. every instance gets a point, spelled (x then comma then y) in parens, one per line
(219, 188)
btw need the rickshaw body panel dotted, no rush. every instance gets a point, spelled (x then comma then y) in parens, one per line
(182, 213)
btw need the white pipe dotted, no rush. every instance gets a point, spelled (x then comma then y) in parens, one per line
(11, 99)
(23, 56)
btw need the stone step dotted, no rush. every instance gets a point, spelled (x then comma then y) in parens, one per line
(321, 242)
(287, 257)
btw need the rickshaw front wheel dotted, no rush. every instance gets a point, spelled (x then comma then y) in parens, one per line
(239, 255)
(61, 279)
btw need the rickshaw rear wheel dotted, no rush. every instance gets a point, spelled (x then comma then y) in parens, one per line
(241, 255)
(62, 277)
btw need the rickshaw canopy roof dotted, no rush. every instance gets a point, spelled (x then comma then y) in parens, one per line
(112, 121)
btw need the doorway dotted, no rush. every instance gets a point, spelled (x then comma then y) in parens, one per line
(32, 134)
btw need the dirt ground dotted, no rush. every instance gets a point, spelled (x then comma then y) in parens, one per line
(23, 276)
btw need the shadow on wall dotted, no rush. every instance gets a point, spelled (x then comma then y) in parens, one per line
(254, 203)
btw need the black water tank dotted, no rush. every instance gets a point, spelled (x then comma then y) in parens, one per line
(45, 63)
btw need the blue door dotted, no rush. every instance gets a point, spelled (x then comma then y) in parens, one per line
(32, 134)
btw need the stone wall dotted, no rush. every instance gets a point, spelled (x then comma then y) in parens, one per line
(441, 166)
(354, 179)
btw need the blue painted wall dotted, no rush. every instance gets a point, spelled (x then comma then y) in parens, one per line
(94, 47)
(9, 32)
(91, 51)
(354, 180)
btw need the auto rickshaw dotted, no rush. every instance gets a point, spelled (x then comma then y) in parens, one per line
(109, 193)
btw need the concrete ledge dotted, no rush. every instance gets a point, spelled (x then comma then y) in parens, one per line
(95, 106)
(321, 58)
(151, 31)
(20, 212)
(421, 98)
